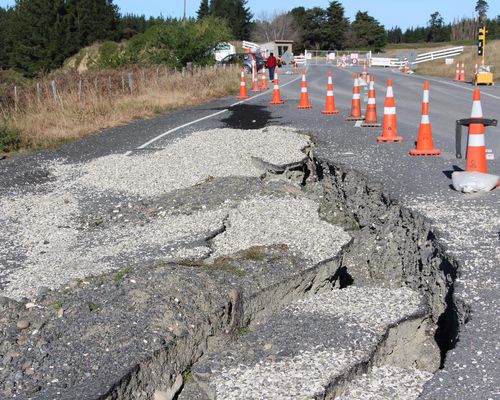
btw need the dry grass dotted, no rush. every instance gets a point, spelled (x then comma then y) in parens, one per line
(469, 57)
(88, 103)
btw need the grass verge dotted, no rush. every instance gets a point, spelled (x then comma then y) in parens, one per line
(469, 57)
(38, 117)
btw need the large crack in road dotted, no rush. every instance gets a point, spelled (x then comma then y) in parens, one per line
(170, 266)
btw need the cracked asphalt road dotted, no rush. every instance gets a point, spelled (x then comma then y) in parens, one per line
(468, 225)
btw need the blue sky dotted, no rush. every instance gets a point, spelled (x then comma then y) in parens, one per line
(404, 13)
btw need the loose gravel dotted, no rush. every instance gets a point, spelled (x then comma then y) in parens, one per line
(385, 383)
(48, 241)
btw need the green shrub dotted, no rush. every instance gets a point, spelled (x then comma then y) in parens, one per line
(10, 139)
(110, 55)
(176, 42)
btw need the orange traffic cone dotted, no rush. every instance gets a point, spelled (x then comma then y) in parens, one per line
(304, 96)
(462, 73)
(390, 128)
(276, 91)
(356, 102)
(255, 83)
(476, 146)
(425, 145)
(263, 85)
(457, 72)
(371, 107)
(243, 86)
(330, 99)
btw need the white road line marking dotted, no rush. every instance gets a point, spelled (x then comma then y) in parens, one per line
(142, 146)
(358, 124)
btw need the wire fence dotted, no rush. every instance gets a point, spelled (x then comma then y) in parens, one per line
(86, 86)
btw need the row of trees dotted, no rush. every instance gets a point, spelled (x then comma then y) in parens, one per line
(437, 31)
(322, 28)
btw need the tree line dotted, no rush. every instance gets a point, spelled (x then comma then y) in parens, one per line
(37, 36)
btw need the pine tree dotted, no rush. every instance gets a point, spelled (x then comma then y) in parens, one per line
(481, 9)
(204, 10)
(369, 32)
(240, 19)
(337, 25)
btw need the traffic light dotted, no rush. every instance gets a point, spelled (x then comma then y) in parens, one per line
(480, 42)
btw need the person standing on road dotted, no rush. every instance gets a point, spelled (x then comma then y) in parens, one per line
(271, 64)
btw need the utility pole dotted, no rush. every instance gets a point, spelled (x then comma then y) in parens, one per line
(184, 10)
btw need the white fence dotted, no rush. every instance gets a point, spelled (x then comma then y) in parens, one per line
(424, 57)
(435, 55)
(250, 45)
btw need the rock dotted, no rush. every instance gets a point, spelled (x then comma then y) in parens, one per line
(268, 346)
(22, 324)
(73, 284)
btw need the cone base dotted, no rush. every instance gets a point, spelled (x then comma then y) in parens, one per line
(277, 102)
(243, 97)
(389, 139)
(330, 112)
(304, 107)
(351, 118)
(371, 125)
(431, 152)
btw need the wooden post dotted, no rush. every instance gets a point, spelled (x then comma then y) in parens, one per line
(38, 93)
(54, 90)
(130, 81)
(123, 83)
(15, 98)
(110, 84)
(80, 89)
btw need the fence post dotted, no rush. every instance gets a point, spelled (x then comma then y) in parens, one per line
(109, 84)
(15, 98)
(130, 81)
(54, 90)
(38, 93)
(80, 89)
(123, 83)
(183, 72)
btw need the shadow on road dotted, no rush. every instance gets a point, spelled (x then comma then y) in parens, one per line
(248, 116)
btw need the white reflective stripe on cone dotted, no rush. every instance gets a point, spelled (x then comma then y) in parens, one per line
(390, 93)
(329, 92)
(356, 96)
(477, 111)
(303, 90)
(371, 100)
(426, 96)
(476, 140)
(276, 87)
(303, 78)
(389, 110)
(330, 80)
(425, 119)
(242, 84)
